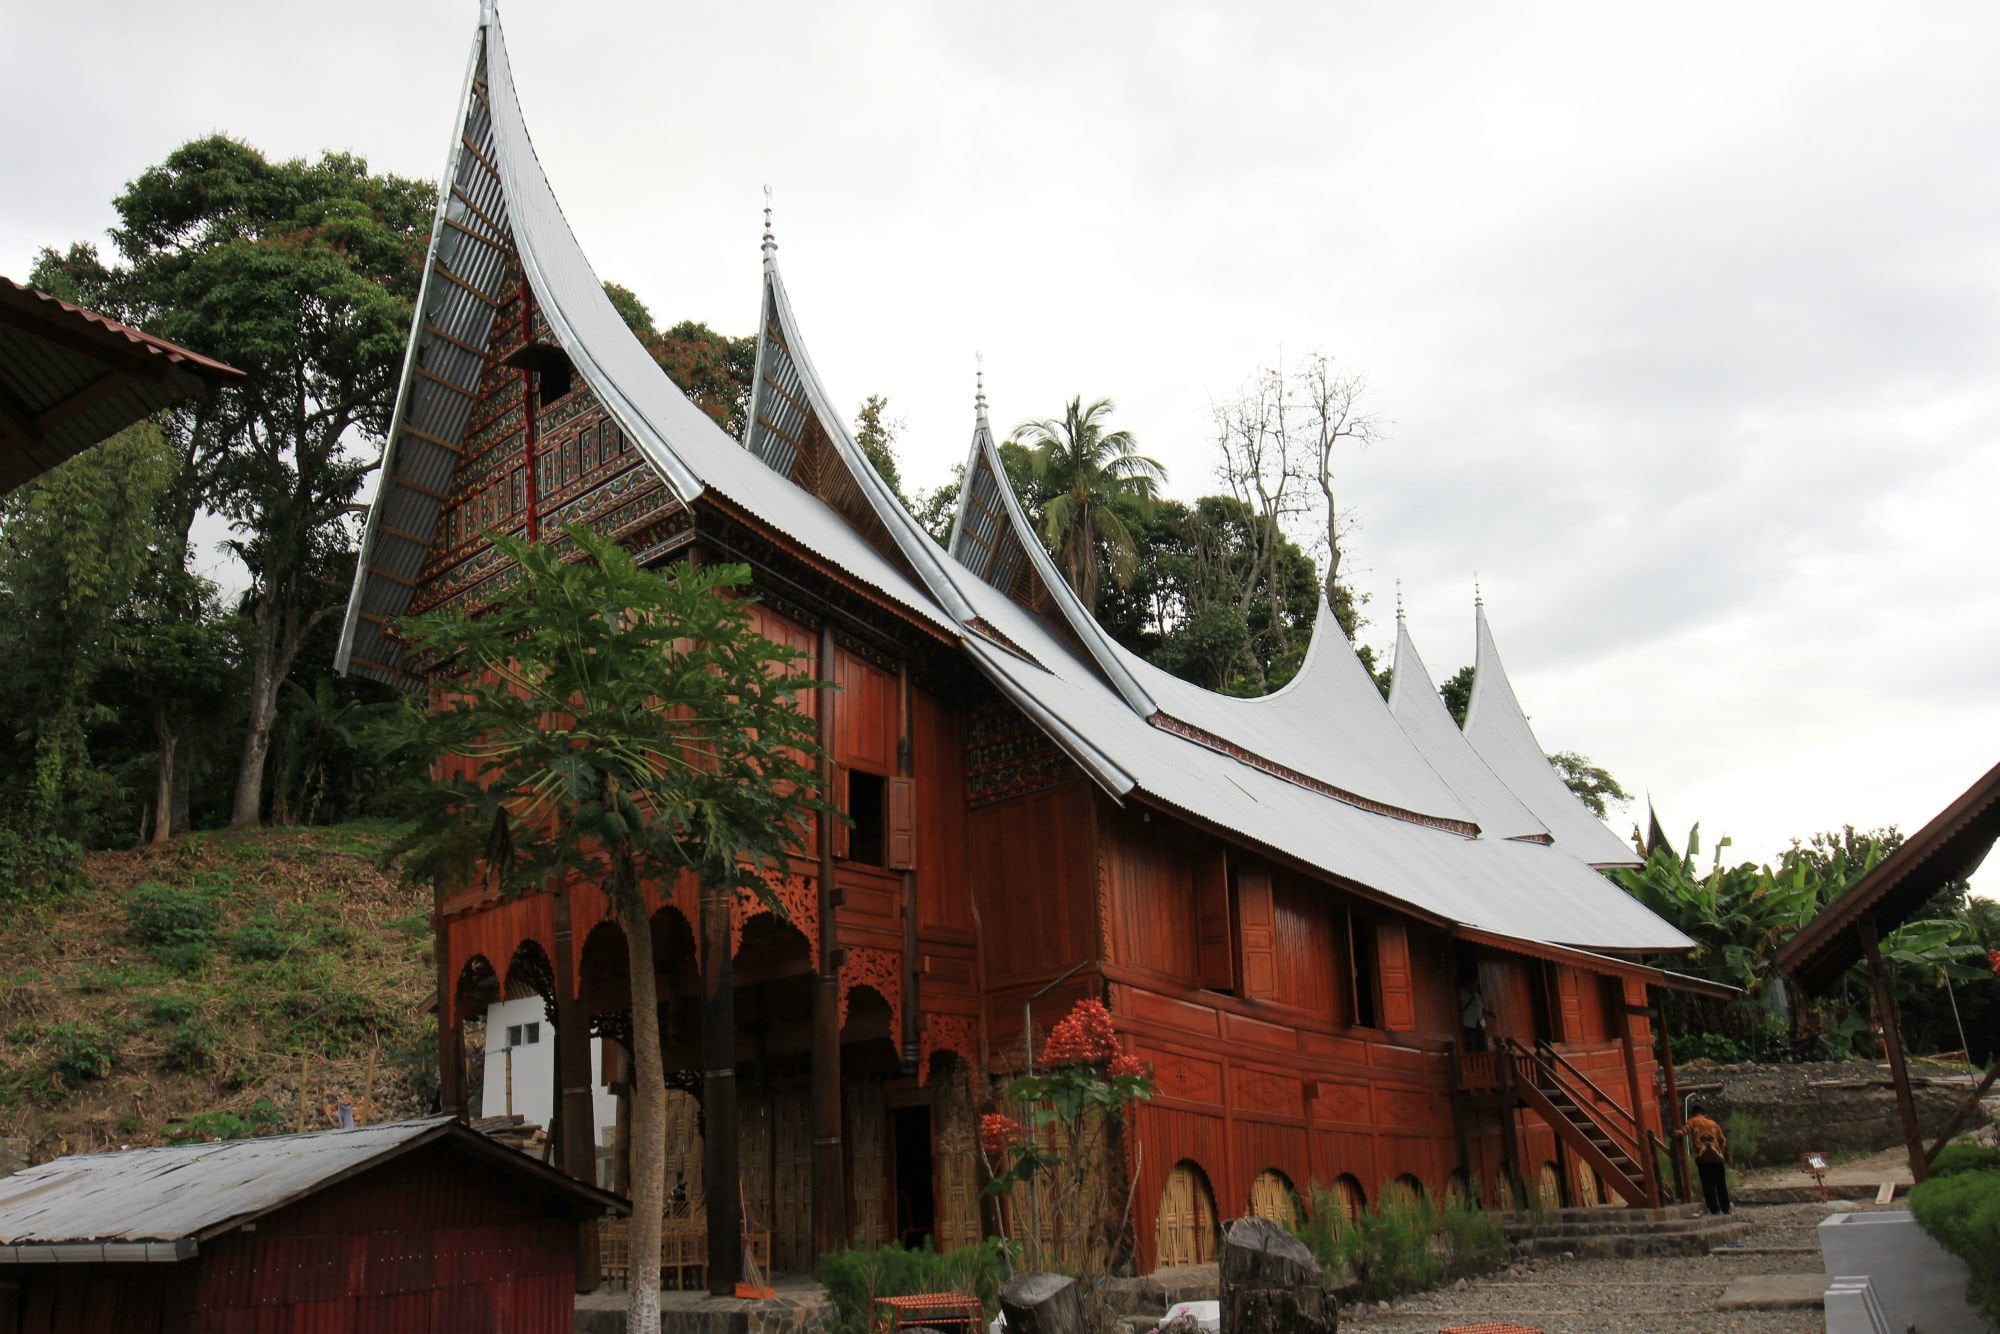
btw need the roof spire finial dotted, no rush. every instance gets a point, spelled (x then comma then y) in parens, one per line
(1477, 600)
(979, 384)
(1399, 602)
(770, 240)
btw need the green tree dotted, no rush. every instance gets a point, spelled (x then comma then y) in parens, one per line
(631, 309)
(1594, 786)
(712, 369)
(1082, 469)
(628, 726)
(301, 274)
(876, 434)
(1457, 693)
(74, 545)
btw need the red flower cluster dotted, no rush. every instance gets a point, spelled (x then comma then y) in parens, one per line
(1123, 1067)
(998, 1133)
(1993, 957)
(1084, 1036)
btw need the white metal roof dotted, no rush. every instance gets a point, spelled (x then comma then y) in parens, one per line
(1499, 731)
(1415, 703)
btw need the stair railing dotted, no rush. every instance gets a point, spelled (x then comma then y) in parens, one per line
(1548, 1074)
(1605, 1111)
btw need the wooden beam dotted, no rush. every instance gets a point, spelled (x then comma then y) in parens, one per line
(444, 272)
(1676, 1141)
(478, 236)
(429, 439)
(480, 157)
(383, 667)
(81, 401)
(403, 533)
(1963, 1114)
(418, 487)
(433, 331)
(477, 211)
(392, 576)
(1887, 1015)
(426, 373)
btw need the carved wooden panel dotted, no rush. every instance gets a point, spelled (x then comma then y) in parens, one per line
(880, 969)
(1264, 1092)
(1342, 1102)
(684, 1147)
(1185, 1234)
(800, 896)
(952, 1034)
(955, 1157)
(864, 1134)
(791, 1179)
(1186, 1077)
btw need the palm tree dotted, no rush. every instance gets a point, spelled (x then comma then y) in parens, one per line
(1083, 469)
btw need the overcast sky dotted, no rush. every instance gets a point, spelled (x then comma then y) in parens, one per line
(1685, 325)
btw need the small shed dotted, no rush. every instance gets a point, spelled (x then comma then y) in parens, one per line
(408, 1225)
(1950, 847)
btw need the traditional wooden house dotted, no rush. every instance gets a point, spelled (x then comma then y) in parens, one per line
(1357, 944)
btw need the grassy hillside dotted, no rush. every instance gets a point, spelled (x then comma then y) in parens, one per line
(190, 991)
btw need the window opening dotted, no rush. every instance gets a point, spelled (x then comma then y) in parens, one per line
(523, 1035)
(1366, 972)
(867, 806)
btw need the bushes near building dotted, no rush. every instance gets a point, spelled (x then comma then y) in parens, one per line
(1960, 1207)
(855, 1278)
(1403, 1243)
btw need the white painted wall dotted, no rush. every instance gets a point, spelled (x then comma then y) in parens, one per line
(534, 1068)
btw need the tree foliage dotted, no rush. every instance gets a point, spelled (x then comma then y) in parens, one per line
(620, 726)
(875, 433)
(1083, 470)
(712, 369)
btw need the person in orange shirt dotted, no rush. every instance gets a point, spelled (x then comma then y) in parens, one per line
(1711, 1158)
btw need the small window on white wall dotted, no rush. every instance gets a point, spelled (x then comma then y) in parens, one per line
(523, 1035)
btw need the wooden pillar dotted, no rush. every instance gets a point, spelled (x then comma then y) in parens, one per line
(576, 1153)
(905, 768)
(720, 1127)
(1676, 1137)
(1892, 1042)
(1510, 1131)
(1458, 1114)
(451, 1035)
(829, 1195)
(1649, 1172)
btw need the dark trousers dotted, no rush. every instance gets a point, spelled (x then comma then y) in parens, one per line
(1714, 1186)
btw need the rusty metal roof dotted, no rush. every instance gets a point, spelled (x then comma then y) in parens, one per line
(161, 1203)
(69, 377)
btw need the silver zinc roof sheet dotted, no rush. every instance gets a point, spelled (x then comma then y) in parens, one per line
(1530, 891)
(1415, 704)
(1499, 731)
(186, 1190)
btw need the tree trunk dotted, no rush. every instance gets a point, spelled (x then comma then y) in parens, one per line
(1042, 1304)
(163, 792)
(649, 1116)
(257, 732)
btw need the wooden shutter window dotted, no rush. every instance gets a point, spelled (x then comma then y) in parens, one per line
(902, 824)
(1257, 935)
(1215, 955)
(1392, 955)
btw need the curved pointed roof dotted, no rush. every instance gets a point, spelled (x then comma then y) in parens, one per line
(1499, 731)
(1414, 702)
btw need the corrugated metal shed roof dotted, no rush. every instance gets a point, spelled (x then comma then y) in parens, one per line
(69, 377)
(1499, 731)
(195, 1191)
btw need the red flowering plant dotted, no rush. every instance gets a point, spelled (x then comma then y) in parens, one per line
(1073, 1106)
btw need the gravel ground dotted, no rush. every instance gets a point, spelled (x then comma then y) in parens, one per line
(1649, 1296)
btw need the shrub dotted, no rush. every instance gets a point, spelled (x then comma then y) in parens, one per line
(204, 1126)
(855, 1278)
(1962, 1212)
(39, 868)
(189, 1047)
(176, 926)
(1743, 1129)
(1717, 1047)
(1402, 1244)
(1965, 1156)
(170, 1009)
(80, 1052)
(261, 939)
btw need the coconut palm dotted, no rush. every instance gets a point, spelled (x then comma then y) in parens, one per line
(1082, 469)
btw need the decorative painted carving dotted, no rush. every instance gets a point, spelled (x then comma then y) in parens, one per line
(956, 1034)
(880, 969)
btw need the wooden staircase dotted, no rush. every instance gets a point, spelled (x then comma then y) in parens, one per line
(1590, 1121)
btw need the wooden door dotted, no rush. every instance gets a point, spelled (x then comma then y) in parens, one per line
(1271, 1198)
(684, 1149)
(1185, 1234)
(791, 1173)
(864, 1134)
(955, 1161)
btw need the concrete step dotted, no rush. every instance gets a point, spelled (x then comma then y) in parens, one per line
(1633, 1245)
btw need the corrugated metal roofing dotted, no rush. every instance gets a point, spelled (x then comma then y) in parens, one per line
(69, 377)
(1415, 704)
(1499, 731)
(193, 1191)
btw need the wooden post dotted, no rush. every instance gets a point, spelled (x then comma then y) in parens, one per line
(906, 768)
(829, 1191)
(576, 1112)
(1676, 1138)
(720, 1128)
(1510, 1134)
(1892, 1043)
(1458, 1134)
(1649, 1172)
(451, 1037)
(1963, 1114)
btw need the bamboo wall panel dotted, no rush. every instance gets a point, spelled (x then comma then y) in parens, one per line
(753, 1155)
(791, 1179)
(866, 1134)
(684, 1152)
(956, 1158)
